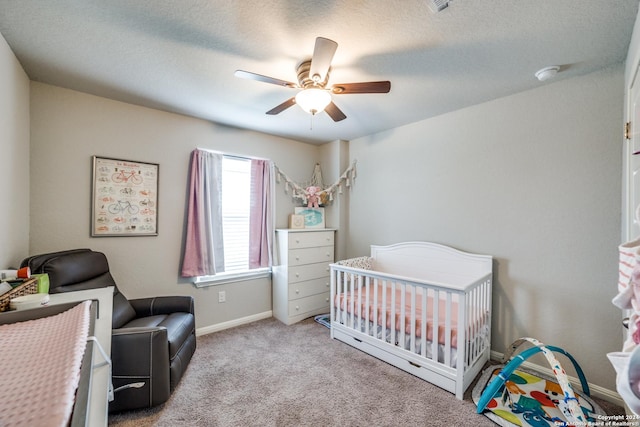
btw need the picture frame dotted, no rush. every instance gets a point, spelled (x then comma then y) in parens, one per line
(296, 221)
(124, 198)
(313, 217)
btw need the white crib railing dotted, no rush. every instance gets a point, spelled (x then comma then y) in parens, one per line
(457, 318)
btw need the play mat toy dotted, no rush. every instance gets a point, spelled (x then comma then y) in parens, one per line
(510, 396)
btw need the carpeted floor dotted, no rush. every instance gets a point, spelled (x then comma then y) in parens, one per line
(269, 374)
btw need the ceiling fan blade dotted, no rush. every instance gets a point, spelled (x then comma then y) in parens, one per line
(364, 87)
(265, 79)
(280, 108)
(321, 61)
(334, 112)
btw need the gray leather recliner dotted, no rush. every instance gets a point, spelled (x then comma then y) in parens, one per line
(153, 339)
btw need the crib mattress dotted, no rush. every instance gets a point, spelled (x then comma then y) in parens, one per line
(40, 361)
(385, 314)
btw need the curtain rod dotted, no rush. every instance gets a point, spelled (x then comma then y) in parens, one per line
(242, 156)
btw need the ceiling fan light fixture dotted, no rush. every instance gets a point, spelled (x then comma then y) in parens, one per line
(313, 100)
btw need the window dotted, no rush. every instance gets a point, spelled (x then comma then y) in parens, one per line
(236, 204)
(230, 218)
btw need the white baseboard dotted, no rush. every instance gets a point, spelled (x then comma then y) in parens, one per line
(596, 390)
(233, 323)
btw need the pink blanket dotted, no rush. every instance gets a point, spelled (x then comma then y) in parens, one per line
(373, 309)
(40, 362)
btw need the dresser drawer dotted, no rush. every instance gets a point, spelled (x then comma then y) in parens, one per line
(302, 273)
(313, 302)
(310, 255)
(310, 239)
(310, 287)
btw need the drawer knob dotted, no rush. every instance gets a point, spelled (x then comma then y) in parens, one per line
(328, 254)
(297, 240)
(297, 258)
(297, 291)
(326, 299)
(297, 274)
(326, 284)
(297, 308)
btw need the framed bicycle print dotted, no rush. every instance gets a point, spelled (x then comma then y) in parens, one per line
(124, 198)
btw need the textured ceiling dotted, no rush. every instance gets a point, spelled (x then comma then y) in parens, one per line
(181, 55)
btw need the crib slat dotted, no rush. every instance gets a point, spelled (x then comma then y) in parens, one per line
(474, 321)
(393, 313)
(413, 320)
(403, 313)
(345, 284)
(435, 329)
(352, 299)
(447, 331)
(486, 314)
(359, 306)
(384, 311)
(470, 345)
(464, 320)
(479, 320)
(375, 306)
(423, 330)
(337, 302)
(367, 299)
(333, 290)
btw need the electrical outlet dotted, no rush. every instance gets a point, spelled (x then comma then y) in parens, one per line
(222, 296)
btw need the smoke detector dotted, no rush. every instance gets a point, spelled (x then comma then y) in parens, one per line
(547, 73)
(438, 5)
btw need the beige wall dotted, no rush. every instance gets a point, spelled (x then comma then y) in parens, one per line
(532, 179)
(14, 167)
(68, 128)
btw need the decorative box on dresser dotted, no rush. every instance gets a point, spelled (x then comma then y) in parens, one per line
(301, 285)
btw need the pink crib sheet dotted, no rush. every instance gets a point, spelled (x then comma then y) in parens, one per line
(340, 298)
(40, 361)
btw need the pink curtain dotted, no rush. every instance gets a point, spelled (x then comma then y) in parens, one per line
(204, 250)
(261, 216)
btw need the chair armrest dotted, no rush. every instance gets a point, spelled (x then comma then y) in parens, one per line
(162, 305)
(140, 355)
(133, 348)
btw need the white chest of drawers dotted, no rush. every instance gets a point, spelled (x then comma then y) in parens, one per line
(301, 280)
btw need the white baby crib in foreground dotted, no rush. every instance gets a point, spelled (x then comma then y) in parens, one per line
(422, 307)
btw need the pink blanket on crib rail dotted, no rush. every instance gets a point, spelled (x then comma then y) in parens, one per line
(377, 311)
(40, 361)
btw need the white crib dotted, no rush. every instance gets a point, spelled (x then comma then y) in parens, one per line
(422, 307)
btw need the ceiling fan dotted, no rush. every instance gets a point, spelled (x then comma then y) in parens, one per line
(313, 76)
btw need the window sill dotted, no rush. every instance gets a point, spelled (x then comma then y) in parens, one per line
(223, 278)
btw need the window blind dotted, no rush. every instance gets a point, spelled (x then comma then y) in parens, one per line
(236, 187)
